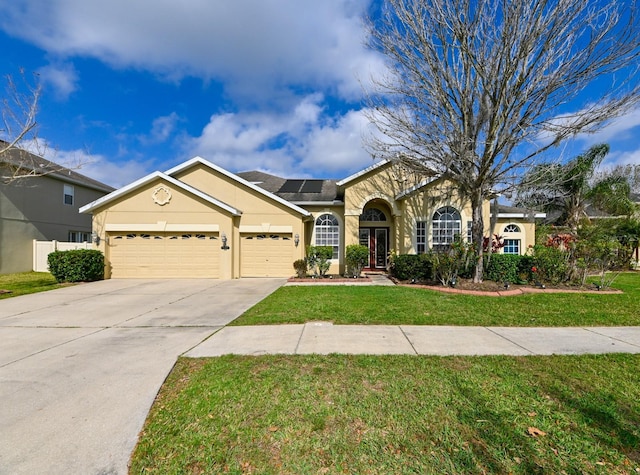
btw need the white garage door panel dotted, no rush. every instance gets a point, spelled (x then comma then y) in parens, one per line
(164, 255)
(266, 255)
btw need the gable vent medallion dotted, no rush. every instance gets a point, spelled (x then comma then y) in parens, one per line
(161, 195)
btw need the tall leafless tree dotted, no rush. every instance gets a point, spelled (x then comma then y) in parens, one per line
(479, 90)
(21, 151)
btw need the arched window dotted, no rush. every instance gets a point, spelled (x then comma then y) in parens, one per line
(328, 232)
(446, 225)
(511, 228)
(372, 214)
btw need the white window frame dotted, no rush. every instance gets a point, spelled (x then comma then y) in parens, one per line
(512, 228)
(328, 234)
(68, 191)
(511, 245)
(422, 236)
(442, 233)
(79, 236)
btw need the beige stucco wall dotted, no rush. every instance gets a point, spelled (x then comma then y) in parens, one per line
(259, 212)
(527, 234)
(137, 211)
(383, 185)
(187, 212)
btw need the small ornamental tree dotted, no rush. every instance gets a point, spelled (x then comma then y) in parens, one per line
(319, 259)
(357, 257)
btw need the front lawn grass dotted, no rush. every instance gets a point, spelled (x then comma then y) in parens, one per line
(26, 283)
(395, 414)
(357, 305)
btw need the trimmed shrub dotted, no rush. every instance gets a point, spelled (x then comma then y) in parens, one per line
(357, 257)
(300, 267)
(319, 259)
(411, 267)
(503, 268)
(80, 265)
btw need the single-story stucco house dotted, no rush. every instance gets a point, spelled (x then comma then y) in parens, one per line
(200, 220)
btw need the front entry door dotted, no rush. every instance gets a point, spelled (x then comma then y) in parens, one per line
(382, 248)
(377, 240)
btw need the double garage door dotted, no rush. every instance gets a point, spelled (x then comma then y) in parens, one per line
(197, 255)
(164, 255)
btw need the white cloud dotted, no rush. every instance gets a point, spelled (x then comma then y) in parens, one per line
(63, 78)
(337, 146)
(253, 46)
(94, 166)
(618, 130)
(115, 174)
(297, 143)
(162, 129)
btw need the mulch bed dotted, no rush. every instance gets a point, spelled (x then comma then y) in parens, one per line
(495, 289)
(329, 279)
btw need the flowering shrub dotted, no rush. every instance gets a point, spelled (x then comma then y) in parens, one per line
(551, 264)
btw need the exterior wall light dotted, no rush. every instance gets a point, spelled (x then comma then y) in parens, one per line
(224, 242)
(296, 239)
(95, 238)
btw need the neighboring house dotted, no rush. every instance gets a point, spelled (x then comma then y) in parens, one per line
(199, 220)
(42, 206)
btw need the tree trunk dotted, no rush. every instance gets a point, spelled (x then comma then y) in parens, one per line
(477, 231)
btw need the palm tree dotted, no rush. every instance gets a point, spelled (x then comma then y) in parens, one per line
(567, 189)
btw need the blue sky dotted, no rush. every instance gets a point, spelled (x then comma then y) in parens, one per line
(134, 87)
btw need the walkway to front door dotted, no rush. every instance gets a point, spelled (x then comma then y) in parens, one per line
(377, 240)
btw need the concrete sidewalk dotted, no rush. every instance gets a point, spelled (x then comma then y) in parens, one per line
(326, 338)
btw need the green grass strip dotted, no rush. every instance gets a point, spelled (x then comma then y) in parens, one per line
(369, 305)
(12, 285)
(395, 414)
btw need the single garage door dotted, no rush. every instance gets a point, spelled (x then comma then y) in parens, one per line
(266, 255)
(164, 255)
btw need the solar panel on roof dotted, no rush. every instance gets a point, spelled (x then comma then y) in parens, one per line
(291, 186)
(312, 186)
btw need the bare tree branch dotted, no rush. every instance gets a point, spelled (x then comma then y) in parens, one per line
(22, 153)
(479, 90)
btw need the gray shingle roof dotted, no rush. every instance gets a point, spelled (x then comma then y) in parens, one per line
(39, 166)
(308, 190)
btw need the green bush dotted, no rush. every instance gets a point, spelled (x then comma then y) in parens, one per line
(319, 259)
(551, 264)
(503, 268)
(453, 263)
(357, 257)
(300, 267)
(80, 265)
(525, 269)
(411, 267)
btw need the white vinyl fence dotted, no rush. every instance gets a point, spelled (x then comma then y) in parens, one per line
(42, 249)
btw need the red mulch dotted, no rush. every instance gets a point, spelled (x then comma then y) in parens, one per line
(328, 279)
(491, 288)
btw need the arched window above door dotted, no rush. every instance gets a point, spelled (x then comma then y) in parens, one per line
(372, 214)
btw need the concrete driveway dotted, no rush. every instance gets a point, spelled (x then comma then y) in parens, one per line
(81, 366)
